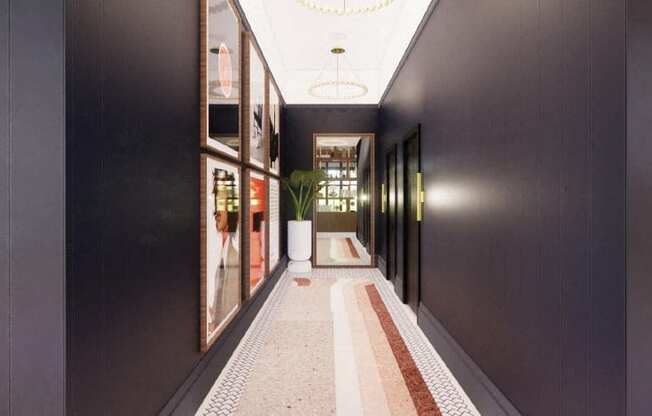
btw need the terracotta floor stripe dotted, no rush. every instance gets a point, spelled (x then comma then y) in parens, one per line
(421, 396)
(396, 392)
(354, 252)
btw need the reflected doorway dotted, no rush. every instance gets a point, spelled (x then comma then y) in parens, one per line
(343, 211)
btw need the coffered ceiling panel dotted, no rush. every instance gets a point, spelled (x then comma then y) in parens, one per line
(297, 40)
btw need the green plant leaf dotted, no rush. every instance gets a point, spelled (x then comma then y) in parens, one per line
(303, 186)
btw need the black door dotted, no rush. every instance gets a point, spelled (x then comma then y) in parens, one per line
(390, 167)
(411, 227)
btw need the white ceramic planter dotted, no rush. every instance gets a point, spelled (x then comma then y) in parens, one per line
(300, 246)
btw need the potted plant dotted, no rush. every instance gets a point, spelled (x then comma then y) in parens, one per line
(303, 186)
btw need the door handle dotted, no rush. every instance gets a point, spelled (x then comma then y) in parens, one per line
(421, 196)
(383, 197)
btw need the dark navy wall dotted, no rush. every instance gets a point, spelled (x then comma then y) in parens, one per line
(133, 212)
(133, 205)
(639, 206)
(32, 209)
(523, 149)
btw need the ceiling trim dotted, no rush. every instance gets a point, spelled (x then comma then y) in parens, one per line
(332, 106)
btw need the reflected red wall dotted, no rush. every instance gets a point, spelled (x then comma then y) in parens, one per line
(257, 230)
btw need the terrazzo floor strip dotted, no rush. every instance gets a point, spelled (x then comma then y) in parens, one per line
(335, 342)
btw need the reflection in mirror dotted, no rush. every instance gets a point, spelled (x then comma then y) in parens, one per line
(256, 107)
(274, 128)
(223, 77)
(274, 187)
(343, 206)
(220, 284)
(257, 209)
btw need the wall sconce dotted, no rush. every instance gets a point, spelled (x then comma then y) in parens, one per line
(421, 196)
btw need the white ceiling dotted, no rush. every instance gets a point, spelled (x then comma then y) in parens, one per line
(296, 42)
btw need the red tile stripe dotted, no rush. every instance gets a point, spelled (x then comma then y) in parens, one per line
(421, 396)
(302, 281)
(354, 252)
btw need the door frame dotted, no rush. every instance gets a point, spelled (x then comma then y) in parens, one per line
(406, 214)
(372, 200)
(391, 265)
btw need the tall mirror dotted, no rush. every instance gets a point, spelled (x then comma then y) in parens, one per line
(257, 210)
(344, 206)
(220, 246)
(274, 128)
(256, 107)
(221, 78)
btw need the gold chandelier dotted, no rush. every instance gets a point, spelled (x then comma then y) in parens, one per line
(345, 86)
(368, 6)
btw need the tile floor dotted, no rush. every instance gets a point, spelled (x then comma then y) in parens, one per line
(251, 383)
(331, 251)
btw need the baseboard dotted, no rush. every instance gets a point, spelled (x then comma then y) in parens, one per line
(191, 393)
(489, 400)
(381, 265)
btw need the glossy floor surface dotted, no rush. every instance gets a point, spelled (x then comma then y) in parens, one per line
(335, 342)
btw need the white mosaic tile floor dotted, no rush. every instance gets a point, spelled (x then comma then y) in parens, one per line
(224, 396)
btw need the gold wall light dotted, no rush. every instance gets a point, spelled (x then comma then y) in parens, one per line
(421, 196)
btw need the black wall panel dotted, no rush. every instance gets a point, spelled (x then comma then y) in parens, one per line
(639, 206)
(5, 218)
(523, 149)
(133, 211)
(32, 234)
(133, 204)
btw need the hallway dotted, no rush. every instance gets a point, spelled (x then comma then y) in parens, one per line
(336, 341)
(325, 207)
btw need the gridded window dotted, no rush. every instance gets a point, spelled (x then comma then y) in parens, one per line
(339, 192)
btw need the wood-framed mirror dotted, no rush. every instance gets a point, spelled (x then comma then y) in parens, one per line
(274, 131)
(344, 209)
(220, 251)
(257, 77)
(220, 78)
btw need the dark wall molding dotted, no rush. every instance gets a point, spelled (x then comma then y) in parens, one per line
(639, 207)
(487, 398)
(32, 208)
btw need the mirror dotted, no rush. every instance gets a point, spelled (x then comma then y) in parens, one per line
(274, 128)
(256, 108)
(344, 206)
(221, 89)
(220, 247)
(257, 219)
